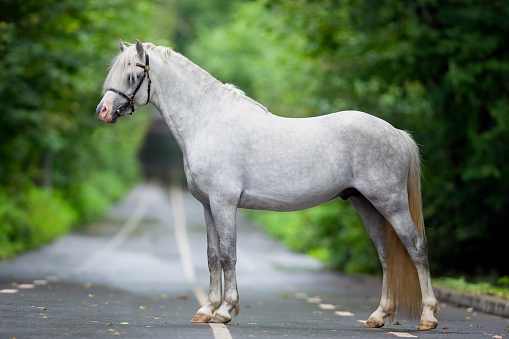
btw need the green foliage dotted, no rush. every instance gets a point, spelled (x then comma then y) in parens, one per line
(438, 69)
(36, 217)
(58, 165)
(500, 289)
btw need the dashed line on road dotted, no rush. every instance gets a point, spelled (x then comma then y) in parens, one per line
(180, 224)
(344, 313)
(26, 286)
(331, 307)
(402, 334)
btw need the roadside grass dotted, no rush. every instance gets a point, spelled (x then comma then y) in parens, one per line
(499, 289)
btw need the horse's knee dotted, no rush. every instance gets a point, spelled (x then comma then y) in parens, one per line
(213, 260)
(228, 260)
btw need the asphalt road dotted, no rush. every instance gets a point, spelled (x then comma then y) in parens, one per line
(142, 272)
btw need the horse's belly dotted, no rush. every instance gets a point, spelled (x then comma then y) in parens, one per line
(285, 201)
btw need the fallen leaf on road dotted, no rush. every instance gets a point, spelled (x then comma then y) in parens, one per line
(143, 307)
(497, 336)
(183, 297)
(445, 328)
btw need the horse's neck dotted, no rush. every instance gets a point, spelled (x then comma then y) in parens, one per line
(191, 101)
(185, 99)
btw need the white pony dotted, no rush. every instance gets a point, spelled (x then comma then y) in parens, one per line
(239, 155)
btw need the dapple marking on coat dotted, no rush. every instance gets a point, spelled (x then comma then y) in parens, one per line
(239, 155)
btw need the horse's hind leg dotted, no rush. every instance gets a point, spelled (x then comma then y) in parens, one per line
(374, 222)
(397, 213)
(206, 312)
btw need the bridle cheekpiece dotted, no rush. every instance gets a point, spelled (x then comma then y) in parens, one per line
(130, 98)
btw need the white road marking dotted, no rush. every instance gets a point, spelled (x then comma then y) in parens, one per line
(26, 286)
(220, 331)
(40, 282)
(402, 334)
(362, 321)
(9, 290)
(327, 306)
(314, 300)
(180, 224)
(344, 314)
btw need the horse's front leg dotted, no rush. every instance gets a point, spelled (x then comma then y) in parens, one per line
(206, 312)
(224, 214)
(374, 222)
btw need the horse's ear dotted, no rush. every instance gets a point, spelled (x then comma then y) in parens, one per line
(139, 48)
(121, 45)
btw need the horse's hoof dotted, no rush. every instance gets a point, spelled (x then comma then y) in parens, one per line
(427, 325)
(220, 319)
(201, 318)
(372, 323)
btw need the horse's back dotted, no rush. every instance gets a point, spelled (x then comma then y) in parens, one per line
(292, 164)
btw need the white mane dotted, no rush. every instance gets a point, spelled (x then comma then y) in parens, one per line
(125, 63)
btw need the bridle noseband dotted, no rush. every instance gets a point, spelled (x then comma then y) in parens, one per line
(130, 98)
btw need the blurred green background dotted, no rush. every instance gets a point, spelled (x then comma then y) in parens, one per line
(439, 69)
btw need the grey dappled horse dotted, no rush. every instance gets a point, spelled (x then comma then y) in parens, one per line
(239, 155)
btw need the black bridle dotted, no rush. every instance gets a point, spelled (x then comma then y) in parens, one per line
(130, 98)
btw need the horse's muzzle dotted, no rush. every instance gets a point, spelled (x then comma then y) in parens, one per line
(104, 116)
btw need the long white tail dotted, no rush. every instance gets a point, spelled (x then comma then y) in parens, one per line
(403, 286)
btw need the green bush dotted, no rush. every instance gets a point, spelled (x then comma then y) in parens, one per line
(35, 218)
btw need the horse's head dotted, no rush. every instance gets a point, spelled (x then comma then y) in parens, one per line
(127, 85)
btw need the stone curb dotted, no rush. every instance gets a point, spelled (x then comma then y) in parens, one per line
(481, 303)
